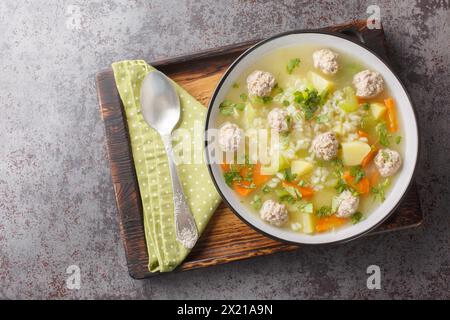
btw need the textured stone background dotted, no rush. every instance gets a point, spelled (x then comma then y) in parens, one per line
(56, 198)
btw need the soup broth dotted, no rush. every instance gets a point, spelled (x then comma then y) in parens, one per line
(309, 188)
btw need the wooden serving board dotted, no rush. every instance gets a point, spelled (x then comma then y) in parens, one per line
(226, 238)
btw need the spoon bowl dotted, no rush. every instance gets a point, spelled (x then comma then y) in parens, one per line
(160, 103)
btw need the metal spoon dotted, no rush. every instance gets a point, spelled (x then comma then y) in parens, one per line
(161, 110)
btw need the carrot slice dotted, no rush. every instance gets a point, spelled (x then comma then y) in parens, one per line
(363, 186)
(328, 223)
(369, 157)
(306, 192)
(391, 115)
(374, 178)
(243, 188)
(258, 178)
(225, 167)
(363, 134)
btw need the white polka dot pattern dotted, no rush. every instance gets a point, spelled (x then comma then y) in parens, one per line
(165, 251)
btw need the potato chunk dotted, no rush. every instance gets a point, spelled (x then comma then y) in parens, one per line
(354, 152)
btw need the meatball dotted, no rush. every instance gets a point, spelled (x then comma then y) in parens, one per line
(347, 204)
(230, 137)
(278, 120)
(387, 162)
(260, 83)
(326, 60)
(274, 213)
(325, 146)
(368, 84)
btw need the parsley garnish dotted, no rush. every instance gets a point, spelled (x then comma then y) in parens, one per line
(324, 211)
(365, 106)
(309, 101)
(235, 85)
(292, 64)
(243, 97)
(257, 202)
(231, 177)
(379, 191)
(286, 103)
(383, 134)
(288, 175)
(323, 118)
(227, 107)
(398, 139)
(358, 173)
(266, 189)
(356, 217)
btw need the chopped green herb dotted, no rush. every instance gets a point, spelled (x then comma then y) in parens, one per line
(288, 175)
(266, 189)
(277, 89)
(235, 85)
(240, 106)
(257, 202)
(323, 118)
(324, 211)
(243, 97)
(286, 103)
(398, 139)
(302, 183)
(309, 101)
(385, 155)
(267, 100)
(341, 186)
(358, 173)
(294, 192)
(356, 217)
(231, 177)
(284, 196)
(227, 107)
(292, 64)
(379, 191)
(383, 134)
(365, 106)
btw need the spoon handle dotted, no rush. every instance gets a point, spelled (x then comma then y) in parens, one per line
(185, 227)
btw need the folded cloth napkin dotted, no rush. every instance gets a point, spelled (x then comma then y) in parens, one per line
(150, 160)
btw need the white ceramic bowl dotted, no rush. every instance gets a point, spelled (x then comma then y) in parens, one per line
(405, 112)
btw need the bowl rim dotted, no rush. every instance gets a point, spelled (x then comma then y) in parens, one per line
(219, 86)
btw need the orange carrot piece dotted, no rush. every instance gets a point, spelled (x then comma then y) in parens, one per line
(363, 134)
(240, 188)
(374, 178)
(363, 186)
(360, 100)
(391, 115)
(258, 178)
(306, 192)
(225, 167)
(328, 223)
(369, 157)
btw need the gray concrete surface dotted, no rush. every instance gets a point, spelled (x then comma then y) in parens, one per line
(56, 199)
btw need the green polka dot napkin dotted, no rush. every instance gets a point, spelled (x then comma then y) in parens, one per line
(165, 252)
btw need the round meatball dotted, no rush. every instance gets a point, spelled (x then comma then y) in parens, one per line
(387, 162)
(230, 137)
(325, 146)
(260, 83)
(278, 120)
(326, 60)
(368, 84)
(274, 213)
(347, 204)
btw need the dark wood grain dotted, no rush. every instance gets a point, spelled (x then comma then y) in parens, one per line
(226, 238)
